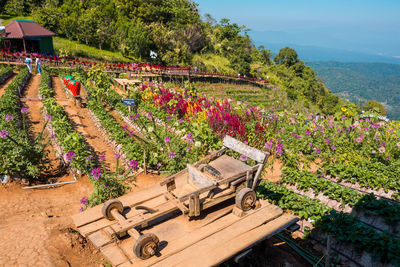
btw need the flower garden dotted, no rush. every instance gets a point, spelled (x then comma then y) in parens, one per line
(340, 172)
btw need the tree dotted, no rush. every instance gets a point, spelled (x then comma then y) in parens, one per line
(375, 106)
(286, 56)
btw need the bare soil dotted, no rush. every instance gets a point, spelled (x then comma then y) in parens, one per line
(36, 228)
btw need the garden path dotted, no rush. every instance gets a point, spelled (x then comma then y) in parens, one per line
(4, 86)
(84, 124)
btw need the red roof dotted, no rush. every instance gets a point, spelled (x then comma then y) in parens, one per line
(18, 29)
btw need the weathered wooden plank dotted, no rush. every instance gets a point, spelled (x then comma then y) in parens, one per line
(244, 149)
(223, 236)
(114, 254)
(100, 238)
(138, 220)
(177, 203)
(89, 228)
(198, 179)
(214, 255)
(94, 214)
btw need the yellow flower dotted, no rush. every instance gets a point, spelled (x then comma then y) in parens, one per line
(343, 109)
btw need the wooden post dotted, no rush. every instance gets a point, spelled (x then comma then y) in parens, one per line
(144, 162)
(23, 41)
(328, 252)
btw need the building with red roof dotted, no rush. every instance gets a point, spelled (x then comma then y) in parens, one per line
(28, 36)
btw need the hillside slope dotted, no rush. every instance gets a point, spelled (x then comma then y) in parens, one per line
(363, 81)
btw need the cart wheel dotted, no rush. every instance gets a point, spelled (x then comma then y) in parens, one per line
(109, 205)
(146, 246)
(245, 199)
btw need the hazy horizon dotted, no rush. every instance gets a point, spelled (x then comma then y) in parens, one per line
(362, 26)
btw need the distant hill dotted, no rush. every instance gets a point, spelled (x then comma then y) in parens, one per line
(363, 81)
(315, 53)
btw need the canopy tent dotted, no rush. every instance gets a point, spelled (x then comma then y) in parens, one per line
(28, 36)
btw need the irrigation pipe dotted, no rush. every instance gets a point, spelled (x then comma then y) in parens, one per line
(48, 185)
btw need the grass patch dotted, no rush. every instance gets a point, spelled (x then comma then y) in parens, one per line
(77, 49)
(5, 19)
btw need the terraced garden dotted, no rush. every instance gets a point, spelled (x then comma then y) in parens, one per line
(340, 172)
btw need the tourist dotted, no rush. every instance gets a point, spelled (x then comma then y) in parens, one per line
(38, 63)
(28, 62)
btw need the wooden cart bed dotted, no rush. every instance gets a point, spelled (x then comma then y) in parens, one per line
(210, 239)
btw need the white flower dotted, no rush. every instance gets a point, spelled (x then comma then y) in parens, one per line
(197, 143)
(176, 124)
(162, 149)
(150, 129)
(155, 155)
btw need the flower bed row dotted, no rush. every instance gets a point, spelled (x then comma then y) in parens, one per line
(70, 139)
(5, 73)
(345, 227)
(19, 154)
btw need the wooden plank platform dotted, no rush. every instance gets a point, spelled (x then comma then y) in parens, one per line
(213, 237)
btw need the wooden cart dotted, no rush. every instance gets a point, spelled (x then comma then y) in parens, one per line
(192, 192)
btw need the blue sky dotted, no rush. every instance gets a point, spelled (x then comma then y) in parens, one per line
(371, 26)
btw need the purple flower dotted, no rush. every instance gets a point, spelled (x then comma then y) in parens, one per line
(382, 144)
(327, 140)
(388, 158)
(317, 150)
(106, 186)
(268, 144)
(89, 158)
(171, 155)
(159, 165)
(382, 150)
(96, 173)
(130, 133)
(168, 118)
(81, 209)
(398, 144)
(308, 132)
(189, 148)
(310, 144)
(117, 156)
(102, 157)
(48, 117)
(3, 134)
(24, 110)
(83, 200)
(9, 117)
(333, 147)
(150, 115)
(181, 120)
(124, 127)
(167, 139)
(70, 156)
(52, 136)
(243, 157)
(134, 164)
(245, 142)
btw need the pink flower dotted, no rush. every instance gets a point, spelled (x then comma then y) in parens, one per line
(167, 139)
(81, 209)
(327, 140)
(96, 173)
(382, 150)
(48, 117)
(171, 155)
(117, 156)
(124, 127)
(168, 118)
(333, 147)
(24, 110)
(83, 200)
(70, 156)
(383, 144)
(150, 115)
(189, 137)
(159, 165)
(243, 157)
(134, 164)
(102, 157)
(317, 150)
(398, 144)
(3, 134)
(9, 117)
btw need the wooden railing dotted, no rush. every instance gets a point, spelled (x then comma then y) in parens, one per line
(142, 69)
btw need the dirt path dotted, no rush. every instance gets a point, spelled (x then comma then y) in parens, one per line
(35, 224)
(84, 125)
(5, 85)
